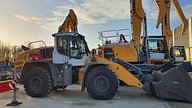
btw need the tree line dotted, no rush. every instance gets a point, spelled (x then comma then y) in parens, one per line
(9, 51)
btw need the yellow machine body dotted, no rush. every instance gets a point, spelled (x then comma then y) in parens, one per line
(122, 74)
(126, 52)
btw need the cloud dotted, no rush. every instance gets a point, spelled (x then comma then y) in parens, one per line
(74, 2)
(102, 11)
(57, 13)
(28, 19)
(44, 23)
(24, 18)
(88, 12)
(50, 25)
(96, 12)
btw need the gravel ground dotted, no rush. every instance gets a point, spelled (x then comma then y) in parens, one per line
(126, 97)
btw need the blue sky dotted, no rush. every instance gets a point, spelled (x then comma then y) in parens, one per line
(22, 21)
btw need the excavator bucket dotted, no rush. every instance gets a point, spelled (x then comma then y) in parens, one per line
(173, 82)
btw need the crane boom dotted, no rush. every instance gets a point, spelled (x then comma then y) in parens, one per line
(69, 24)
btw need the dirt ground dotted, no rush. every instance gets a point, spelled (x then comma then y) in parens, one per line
(126, 97)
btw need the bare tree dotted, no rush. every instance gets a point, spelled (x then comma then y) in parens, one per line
(15, 51)
(9, 52)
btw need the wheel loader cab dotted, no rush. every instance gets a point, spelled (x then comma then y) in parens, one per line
(70, 48)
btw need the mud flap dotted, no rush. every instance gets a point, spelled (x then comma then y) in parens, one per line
(173, 83)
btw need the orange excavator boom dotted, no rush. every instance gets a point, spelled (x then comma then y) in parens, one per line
(181, 15)
(164, 16)
(69, 24)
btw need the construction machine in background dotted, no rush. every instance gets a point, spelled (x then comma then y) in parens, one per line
(102, 70)
(139, 20)
(45, 52)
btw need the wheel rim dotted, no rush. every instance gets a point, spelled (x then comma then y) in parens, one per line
(101, 83)
(35, 84)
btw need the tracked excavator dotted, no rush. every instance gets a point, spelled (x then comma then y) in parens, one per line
(102, 70)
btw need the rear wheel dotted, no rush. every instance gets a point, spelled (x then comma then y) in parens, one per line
(38, 82)
(101, 83)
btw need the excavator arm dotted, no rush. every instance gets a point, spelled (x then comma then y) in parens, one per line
(137, 17)
(164, 17)
(69, 24)
(181, 15)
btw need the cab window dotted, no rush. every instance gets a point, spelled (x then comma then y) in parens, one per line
(77, 48)
(62, 45)
(156, 46)
(71, 46)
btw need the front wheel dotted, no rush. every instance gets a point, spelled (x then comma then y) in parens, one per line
(101, 83)
(38, 82)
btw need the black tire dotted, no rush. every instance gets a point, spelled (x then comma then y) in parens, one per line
(38, 82)
(101, 83)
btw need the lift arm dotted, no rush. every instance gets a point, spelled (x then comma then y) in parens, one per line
(69, 24)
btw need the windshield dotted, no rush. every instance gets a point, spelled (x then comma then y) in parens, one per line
(77, 48)
(71, 46)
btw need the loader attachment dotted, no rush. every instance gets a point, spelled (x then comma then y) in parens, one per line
(173, 83)
(169, 81)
